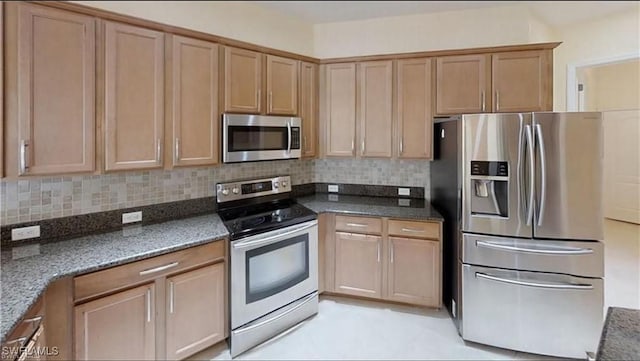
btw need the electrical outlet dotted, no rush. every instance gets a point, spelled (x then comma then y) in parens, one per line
(131, 217)
(404, 191)
(404, 202)
(333, 188)
(25, 233)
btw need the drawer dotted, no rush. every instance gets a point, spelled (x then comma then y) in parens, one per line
(359, 224)
(414, 229)
(131, 274)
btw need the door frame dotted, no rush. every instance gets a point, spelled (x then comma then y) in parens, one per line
(572, 81)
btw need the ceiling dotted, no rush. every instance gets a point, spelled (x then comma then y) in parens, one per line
(554, 13)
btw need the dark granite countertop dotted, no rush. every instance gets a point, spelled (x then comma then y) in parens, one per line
(24, 279)
(620, 339)
(418, 209)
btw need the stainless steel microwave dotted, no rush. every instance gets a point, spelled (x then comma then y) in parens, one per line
(247, 138)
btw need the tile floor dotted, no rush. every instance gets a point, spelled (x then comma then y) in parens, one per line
(354, 329)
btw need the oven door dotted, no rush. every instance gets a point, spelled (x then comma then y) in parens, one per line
(271, 270)
(259, 137)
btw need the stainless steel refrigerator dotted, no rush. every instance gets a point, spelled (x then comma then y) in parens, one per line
(521, 195)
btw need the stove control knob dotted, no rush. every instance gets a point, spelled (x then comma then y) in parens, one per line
(225, 192)
(284, 184)
(235, 190)
(275, 185)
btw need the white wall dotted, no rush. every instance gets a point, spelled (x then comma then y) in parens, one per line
(605, 38)
(233, 19)
(503, 25)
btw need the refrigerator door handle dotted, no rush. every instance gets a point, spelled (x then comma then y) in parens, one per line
(558, 251)
(543, 175)
(565, 286)
(531, 173)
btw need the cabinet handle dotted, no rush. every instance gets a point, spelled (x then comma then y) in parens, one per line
(412, 230)
(158, 269)
(482, 100)
(391, 244)
(363, 147)
(497, 101)
(270, 101)
(353, 147)
(171, 296)
(259, 99)
(20, 340)
(148, 304)
(304, 143)
(159, 150)
(177, 150)
(401, 145)
(378, 251)
(356, 225)
(23, 156)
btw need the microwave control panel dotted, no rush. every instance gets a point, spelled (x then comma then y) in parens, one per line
(295, 138)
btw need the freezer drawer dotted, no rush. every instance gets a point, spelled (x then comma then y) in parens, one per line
(541, 313)
(579, 258)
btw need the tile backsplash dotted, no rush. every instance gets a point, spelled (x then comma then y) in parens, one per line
(41, 198)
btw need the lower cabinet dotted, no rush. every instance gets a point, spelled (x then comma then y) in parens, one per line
(166, 307)
(395, 260)
(117, 327)
(413, 275)
(195, 311)
(358, 266)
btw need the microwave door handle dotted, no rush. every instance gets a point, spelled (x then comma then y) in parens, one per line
(289, 136)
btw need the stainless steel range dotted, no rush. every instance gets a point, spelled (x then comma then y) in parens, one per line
(274, 259)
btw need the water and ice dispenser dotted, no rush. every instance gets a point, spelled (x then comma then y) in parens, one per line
(489, 188)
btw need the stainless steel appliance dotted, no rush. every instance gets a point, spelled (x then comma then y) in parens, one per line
(273, 259)
(247, 137)
(521, 197)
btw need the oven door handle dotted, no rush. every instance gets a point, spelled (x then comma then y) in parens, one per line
(270, 239)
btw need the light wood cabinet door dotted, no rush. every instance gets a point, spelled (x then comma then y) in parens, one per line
(358, 265)
(375, 108)
(134, 97)
(340, 110)
(309, 108)
(193, 102)
(117, 327)
(414, 271)
(195, 311)
(54, 92)
(282, 85)
(414, 110)
(521, 81)
(462, 84)
(242, 81)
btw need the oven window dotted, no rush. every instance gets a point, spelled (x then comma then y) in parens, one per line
(276, 267)
(247, 138)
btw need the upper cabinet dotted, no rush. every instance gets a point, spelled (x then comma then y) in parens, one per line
(50, 109)
(192, 102)
(375, 108)
(414, 109)
(462, 84)
(242, 80)
(134, 97)
(244, 91)
(339, 111)
(309, 108)
(521, 81)
(517, 81)
(282, 85)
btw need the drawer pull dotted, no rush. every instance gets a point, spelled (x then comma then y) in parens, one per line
(413, 230)
(356, 225)
(559, 251)
(158, 269)
(33, 320)
(20, 340)
(559, 286)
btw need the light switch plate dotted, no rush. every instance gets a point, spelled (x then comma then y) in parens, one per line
(404, 191)
(25, 233)
(333, 188)
(131, 217)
